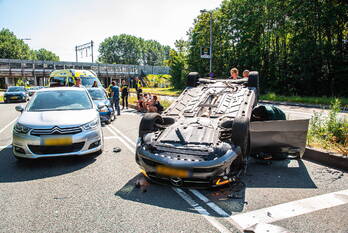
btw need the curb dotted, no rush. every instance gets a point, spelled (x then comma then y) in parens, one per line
(325, 158)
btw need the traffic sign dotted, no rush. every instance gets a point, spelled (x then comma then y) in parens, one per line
(205, 52)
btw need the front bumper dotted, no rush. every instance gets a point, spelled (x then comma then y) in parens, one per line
(30, 146)
(18, 98)
(105, 116)
(202, 174)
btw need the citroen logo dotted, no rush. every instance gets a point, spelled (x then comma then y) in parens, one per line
(55, 129)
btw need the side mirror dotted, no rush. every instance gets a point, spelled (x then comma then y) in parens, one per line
(19, 108)
(100, 106)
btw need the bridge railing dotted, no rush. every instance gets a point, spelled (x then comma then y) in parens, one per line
(32, 68)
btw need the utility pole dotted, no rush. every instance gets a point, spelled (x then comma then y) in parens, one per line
(210, 39)
(77, 59)
(84, 47)
(92, 49)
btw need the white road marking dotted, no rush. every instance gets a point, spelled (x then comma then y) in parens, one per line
(209, 203)
(201, 210)
(111, 137)
(6, 126)
(131, 148)
(5, 147)
(290, 209)
(123, 135)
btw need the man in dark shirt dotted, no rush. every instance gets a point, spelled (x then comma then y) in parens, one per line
(138, 87)
(124, 94)
(115, 93)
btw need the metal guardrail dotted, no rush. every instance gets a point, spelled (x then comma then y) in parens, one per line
(34, 68)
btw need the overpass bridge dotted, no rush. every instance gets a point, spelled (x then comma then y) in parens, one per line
(37, 72)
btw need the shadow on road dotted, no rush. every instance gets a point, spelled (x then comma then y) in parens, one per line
(278, 174)
(12, 170)
(156, 195)
(163, 196)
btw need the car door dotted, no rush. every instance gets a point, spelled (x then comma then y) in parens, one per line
(279, 136)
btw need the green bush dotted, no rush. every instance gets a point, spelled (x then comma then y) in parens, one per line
(329, 132)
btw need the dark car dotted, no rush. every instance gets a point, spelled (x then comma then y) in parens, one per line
(16, 94)
(106, 112)
(204, 138)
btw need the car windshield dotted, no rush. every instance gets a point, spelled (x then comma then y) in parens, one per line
(15, 89)
(60, 100)
(97, 94)
(88, 81)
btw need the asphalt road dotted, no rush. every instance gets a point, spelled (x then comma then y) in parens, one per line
(98, 194)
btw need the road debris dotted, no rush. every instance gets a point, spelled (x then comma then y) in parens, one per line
(116, 149)
(142, 184)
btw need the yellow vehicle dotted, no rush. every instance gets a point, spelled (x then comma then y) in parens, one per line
(66, 78)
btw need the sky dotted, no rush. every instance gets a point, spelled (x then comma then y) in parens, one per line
(60, 25)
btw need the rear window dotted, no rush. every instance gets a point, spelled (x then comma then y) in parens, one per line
(88, 81)
(15, 89)
(97, 94)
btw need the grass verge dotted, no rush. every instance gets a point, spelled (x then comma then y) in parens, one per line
(304, 100)
(160, 91)
(329, 132)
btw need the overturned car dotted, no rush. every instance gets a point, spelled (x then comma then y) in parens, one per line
(204, 138)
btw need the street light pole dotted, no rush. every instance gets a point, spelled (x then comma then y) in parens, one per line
(211, 42)
(210, 39)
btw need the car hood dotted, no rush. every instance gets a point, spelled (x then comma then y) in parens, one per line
(15, 93)
(58, 118)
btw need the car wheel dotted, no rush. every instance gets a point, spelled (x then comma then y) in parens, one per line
(148, 123)
(253, 81)
(240, 137)
(192, 79)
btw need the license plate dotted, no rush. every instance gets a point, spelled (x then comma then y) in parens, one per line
(167, 171)
(57, 141)
(13, 97)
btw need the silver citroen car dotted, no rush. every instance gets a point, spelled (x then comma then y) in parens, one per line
(58, 122)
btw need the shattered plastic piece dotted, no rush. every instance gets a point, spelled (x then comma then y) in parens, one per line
(117, 149)
(266, 228)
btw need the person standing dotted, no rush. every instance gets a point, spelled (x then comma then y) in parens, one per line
(246, 74)
(78, 82)
(234, 73)
(124, 94)
(115, 94)
(138, 87)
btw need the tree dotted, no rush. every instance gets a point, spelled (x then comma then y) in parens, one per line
(128, 49)
(45, 55)
(13, 48)
(299, 47)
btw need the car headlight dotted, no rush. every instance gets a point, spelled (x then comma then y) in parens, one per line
(91, 125)
(19, 128)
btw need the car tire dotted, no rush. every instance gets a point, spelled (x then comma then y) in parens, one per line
(240, 137)
(192, 79)
(253, 81)
(148, 123)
